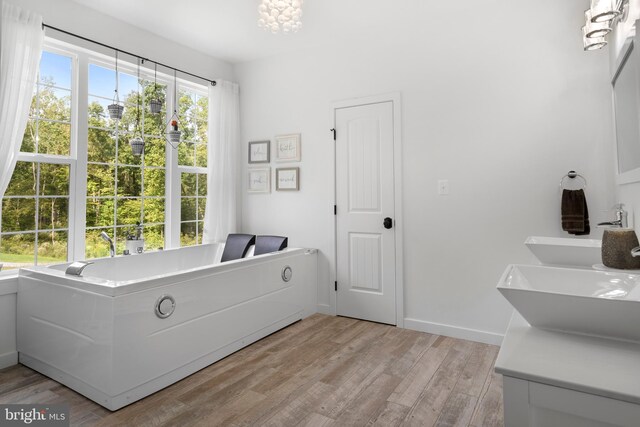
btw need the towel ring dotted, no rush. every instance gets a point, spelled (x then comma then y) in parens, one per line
(573, 175)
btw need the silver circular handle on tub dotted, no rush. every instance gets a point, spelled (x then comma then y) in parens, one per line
(165, 306)
(287, 273)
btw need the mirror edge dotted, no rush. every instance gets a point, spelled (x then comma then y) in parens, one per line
(633, 175)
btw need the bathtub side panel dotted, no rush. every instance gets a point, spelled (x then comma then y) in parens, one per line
(221, 311)
(8, 353)
(67, 329)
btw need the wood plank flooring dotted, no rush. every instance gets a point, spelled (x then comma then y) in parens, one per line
(322, 371)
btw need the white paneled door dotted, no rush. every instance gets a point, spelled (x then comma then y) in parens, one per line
(365, 225)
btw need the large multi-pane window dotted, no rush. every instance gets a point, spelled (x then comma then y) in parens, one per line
(122, 189)
(35, 208)
(193, 107)
(47, 217)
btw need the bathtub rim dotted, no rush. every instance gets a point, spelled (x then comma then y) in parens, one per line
(114, 288)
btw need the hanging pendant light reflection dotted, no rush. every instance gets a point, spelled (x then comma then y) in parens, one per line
(115, 109)
(137, 142)
(137, 145)
(155, 105)
(173, 133)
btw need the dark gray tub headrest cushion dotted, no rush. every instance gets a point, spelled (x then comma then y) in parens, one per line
(268, 244)
(237, 246)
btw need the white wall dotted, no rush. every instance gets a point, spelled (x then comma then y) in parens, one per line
(78, 19)
(498, 97)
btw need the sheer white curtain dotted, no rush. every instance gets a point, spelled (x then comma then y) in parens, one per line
(21, 41)
(224, 134)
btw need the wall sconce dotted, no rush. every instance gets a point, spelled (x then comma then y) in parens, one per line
(604, 10)
(592, 43)
(599, 21)
(595, 29)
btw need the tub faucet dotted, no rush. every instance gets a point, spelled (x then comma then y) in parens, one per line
(106, 238)
(75, 269)
(621, 218)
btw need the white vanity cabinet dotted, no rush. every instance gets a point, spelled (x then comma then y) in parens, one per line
(528, 403)
(556, 379)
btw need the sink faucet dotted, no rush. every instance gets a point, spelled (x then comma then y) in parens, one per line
(621, 218)
(112, 249)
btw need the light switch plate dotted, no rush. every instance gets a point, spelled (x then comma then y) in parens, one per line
(443, 187)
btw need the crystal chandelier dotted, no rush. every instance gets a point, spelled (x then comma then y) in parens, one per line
(277, 15)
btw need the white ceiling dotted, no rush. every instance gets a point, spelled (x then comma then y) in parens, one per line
(227, 29)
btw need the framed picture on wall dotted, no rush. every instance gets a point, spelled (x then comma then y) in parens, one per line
(259, 151)
(259, 180)
(287, 179)
(288, 148)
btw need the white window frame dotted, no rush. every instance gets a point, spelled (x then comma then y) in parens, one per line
(70, 160)
(77, 159)
(202, 91)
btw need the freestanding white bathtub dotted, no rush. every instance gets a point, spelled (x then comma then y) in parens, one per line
(107, 334)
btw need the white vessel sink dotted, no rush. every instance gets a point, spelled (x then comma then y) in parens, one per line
(600, 303)
(565, 250)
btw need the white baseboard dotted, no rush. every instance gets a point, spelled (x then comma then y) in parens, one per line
(453, 331)
(325, 309)
(8, 359)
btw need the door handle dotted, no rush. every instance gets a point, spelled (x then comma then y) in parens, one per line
(388, 223)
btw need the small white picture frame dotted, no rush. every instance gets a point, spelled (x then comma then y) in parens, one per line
(287, 179)
(259, 180)
(288, 148)
(259, 152)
